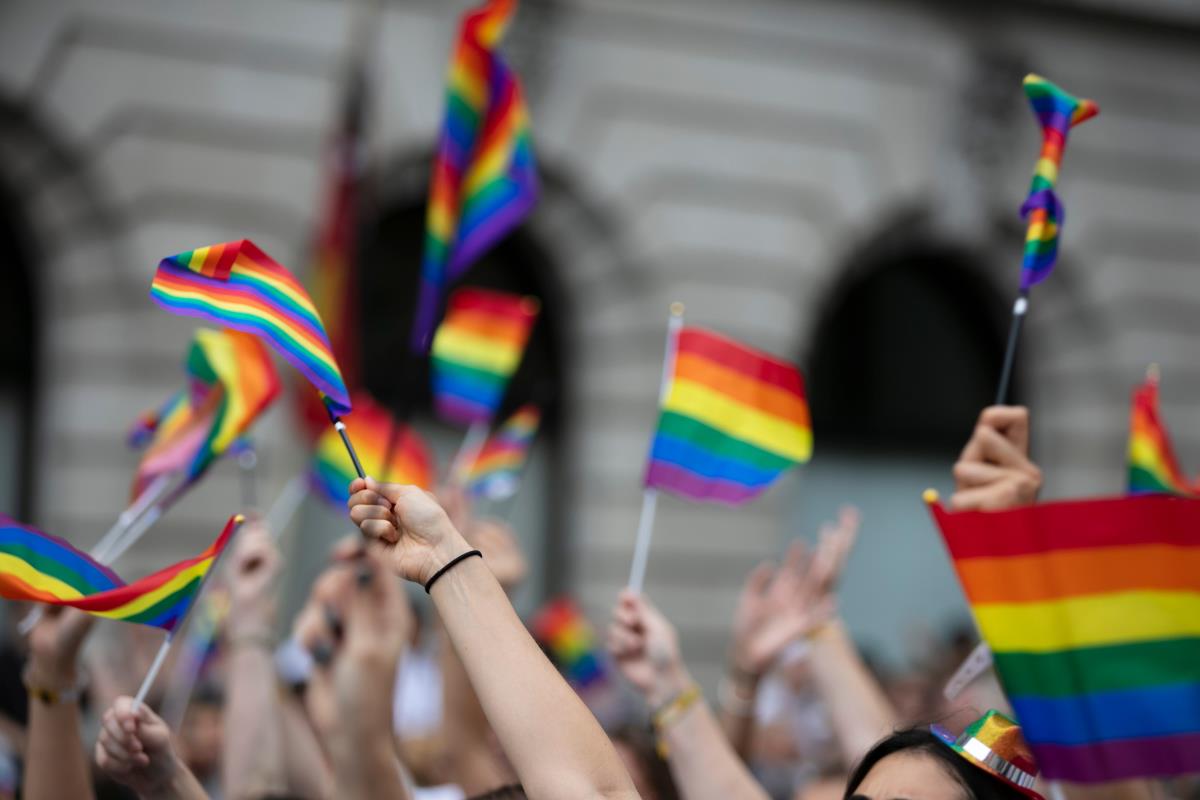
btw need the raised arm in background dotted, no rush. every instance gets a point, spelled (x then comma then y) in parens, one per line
(554, 743)
(777, 607)
(645, 647)
(994, 471)
(56, 763)
(135, 749)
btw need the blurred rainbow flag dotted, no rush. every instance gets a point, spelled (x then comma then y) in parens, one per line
(231, 383)
(733, 420)
(496, 473)
(484, 178)
(1152, 463)
(477, 349)
(371, 426)
(569, 639)
(43, 568)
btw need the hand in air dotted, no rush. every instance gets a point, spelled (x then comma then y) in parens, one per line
(994, 471)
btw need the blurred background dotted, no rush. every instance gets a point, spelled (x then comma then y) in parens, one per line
(836, 182)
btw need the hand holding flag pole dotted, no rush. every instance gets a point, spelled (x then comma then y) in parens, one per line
(1057, 113)
(641, 549)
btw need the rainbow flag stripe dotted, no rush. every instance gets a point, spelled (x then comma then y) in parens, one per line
(1152, 463)
(1092, 612)
(477, 349)
(231, 383)
(484, 177)
(45, 569)
(734, 419)
(238, 286)
(1057, 112)
(567, 637)
(496, 473)
(371, 428)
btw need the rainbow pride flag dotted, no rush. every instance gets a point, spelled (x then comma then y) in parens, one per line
(477, 349)
(568, 638)
(733, 420)
(231, 383)
(1057, 112)
(42, 568)
(371, 427)
(238, 286)
(496, 473)
(484, 178)
(1092, 612)
(1152, 463)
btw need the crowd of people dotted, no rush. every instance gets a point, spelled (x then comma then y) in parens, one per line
(375, 696)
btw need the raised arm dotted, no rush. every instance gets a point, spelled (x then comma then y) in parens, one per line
(994, 471)
(55, 761)
(645, 647)
(135, 749)
(555, 744)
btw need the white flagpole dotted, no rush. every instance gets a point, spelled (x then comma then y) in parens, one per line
(280, 514)
(148, 681)
(468, 451)
(645, 531)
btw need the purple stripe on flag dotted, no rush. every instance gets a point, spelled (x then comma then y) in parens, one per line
(1120, 759)
(672, 478)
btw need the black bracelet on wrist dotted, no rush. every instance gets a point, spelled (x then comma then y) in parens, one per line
(451, 563)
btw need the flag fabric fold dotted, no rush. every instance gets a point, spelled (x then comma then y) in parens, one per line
(484, 179)
(1153, 466)
(732, 421)
(237, 285)
(42, 568)
(1092, 612)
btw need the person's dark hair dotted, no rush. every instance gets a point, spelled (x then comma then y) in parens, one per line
(978, 783)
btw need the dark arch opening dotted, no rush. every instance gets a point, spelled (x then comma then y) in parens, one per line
(906, 352)
(18, 358)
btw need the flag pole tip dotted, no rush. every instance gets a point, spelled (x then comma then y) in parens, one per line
(930, 496)
(677, 309)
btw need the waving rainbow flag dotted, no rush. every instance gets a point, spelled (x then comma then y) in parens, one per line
(371, 426)
(1057, 112)
(484, 179)
(238, 286)
(42, 568)
(1152, 463)
(231, 383)
(562, 630)
(477, 349)
(733, 420)
(496, 473)
(1092, 613)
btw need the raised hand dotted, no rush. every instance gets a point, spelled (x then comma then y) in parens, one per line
(994, 471)
(54, 647)
(254, 570)
(779, 605)
(645, 647)
(410, 523)
(134, 748)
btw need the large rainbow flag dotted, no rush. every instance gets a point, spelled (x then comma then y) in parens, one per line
(1152, 463)
(484, 178)
(733, 420)
(371, 426)
(477, 349)
(42, 568)
(231, 383)
(237, 285)
(1092, 612)
(565, 634)
(496, 473)
(1057, 112)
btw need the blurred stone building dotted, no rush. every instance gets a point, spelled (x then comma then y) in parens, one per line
(837, 182)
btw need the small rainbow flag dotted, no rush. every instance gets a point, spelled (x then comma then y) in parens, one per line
(733, 420)
(1092, 613)
(477, 349)
(484, 178)
(231, 383)
(496, 473)
(570, 641)
(1152, 463)
(371, 426)
(237, 285)
(42, 568)
(1057, 112)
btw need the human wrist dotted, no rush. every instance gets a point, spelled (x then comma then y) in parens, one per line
(448, 547)
(668, 683)
(52, 683)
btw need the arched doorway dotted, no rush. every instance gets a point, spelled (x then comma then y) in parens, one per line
(905, 353)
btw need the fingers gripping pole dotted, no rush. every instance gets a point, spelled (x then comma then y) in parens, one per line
(641, 548)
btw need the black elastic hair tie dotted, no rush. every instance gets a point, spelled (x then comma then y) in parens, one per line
(445, 569)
